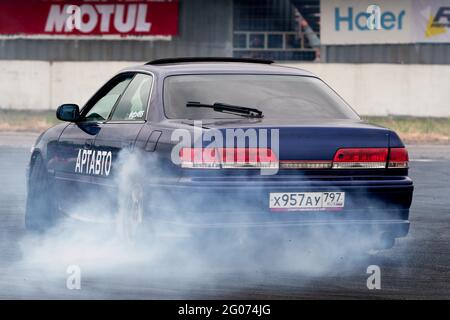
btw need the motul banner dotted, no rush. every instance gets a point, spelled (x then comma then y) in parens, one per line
(89, 19)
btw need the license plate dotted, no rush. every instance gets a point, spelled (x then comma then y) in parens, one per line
(307, 201)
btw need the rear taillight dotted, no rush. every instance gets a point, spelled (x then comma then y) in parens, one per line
(260, 158)
(204, 158)
(371, 158)
(361, 158)
(227, 158)
(398, 158)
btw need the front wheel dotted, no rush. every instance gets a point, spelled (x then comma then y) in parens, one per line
(40, 212)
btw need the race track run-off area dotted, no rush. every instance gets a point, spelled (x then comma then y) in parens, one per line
(417, 267)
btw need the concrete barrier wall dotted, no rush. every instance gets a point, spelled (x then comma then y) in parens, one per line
(76, 82)
(39, 85)
(24, 85)
(389, 89)
(371, 89)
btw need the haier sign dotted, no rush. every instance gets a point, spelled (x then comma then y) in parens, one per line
(346, 21)
(351, 20)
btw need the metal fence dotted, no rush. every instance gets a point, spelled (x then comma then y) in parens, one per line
(398, 53)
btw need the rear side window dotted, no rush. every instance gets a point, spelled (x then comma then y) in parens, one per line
(101, 109)
(133, 104)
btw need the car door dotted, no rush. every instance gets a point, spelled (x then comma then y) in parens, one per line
(118, 134)
(76, 149)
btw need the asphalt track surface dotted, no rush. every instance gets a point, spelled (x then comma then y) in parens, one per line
(417, 267)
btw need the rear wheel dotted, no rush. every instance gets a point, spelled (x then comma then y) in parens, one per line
(129, 220)
(40, 212)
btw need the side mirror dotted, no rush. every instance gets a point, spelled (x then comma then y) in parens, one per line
(68, 112)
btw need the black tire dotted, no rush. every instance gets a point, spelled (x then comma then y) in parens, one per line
(40, 212)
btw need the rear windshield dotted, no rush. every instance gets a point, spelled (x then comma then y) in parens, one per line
(277, 96)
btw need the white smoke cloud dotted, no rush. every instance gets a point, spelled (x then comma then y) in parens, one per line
(164, 264)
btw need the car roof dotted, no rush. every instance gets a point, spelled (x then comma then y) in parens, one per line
(218, 67)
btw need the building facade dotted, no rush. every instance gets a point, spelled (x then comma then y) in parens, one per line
(281, 30)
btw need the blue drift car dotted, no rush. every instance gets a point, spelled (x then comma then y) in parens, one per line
(219, 144)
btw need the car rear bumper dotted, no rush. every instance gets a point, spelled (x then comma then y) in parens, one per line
(378, 205)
